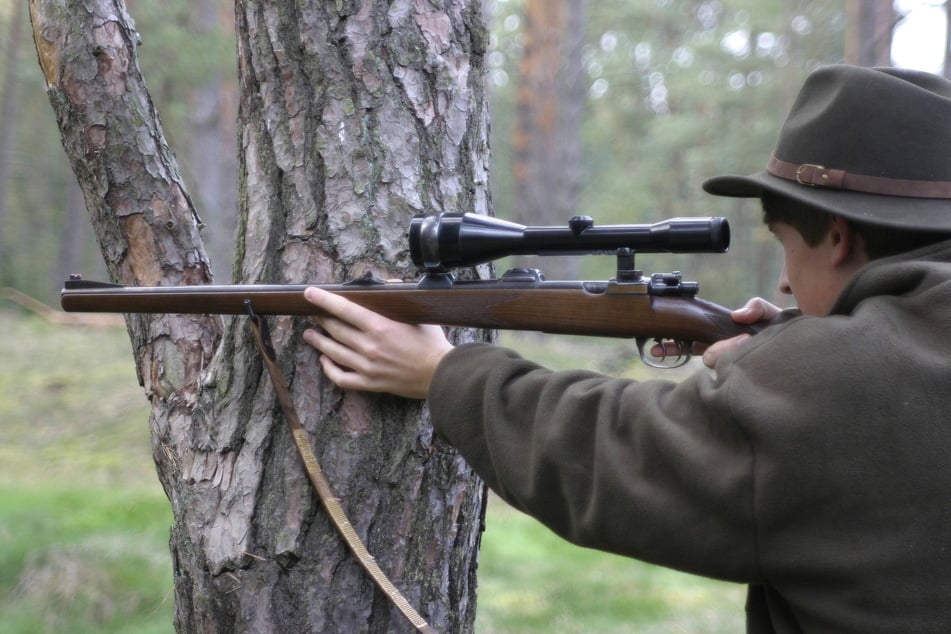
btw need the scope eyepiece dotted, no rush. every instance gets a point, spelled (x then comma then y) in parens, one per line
(448, 240)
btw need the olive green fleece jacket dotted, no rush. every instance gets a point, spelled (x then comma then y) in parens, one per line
(813, 463)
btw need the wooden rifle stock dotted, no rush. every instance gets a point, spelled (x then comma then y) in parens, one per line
(661, 307)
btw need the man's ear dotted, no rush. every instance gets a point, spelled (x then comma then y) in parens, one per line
(846, 244)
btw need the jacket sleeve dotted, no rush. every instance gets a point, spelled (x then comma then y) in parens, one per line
(653, 470)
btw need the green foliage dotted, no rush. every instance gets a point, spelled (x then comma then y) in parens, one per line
(184, 47)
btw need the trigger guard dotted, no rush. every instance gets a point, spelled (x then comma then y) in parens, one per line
(683, 356)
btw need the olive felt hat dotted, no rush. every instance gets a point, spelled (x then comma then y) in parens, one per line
(869, 144)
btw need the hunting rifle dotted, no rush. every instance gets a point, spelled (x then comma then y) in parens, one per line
(660, 307)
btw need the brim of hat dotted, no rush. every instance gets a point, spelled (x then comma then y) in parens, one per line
(899, 212)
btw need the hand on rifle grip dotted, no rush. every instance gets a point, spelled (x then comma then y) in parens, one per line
(755, 310)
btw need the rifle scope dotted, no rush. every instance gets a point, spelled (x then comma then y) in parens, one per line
(448, 240)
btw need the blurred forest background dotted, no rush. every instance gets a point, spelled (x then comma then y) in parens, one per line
(617, 109)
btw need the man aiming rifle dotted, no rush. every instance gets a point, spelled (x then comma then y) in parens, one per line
(812, 461)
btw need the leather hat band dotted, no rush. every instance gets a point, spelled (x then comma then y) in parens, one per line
(812, 175)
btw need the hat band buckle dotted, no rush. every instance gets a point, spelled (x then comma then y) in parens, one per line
(810, 175)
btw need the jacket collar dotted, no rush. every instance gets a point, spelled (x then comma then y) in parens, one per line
(903, 274)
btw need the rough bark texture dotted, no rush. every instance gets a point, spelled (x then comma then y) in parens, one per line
(353, 117)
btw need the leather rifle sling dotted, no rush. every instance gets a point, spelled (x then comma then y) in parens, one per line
(316, 475)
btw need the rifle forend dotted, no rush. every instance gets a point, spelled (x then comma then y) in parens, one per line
(448, 240)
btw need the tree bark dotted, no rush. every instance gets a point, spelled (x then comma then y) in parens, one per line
(353, 117)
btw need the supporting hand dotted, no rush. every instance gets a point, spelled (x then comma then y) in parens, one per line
(362, 350)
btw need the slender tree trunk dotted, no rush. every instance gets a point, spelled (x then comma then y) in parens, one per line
(353, 117)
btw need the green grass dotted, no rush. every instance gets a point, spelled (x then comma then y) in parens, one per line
(530, 580)
(84, 522)
(85, 560)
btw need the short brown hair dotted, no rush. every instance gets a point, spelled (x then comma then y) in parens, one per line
(812, 222)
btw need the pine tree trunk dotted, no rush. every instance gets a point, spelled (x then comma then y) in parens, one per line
(353, 117)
